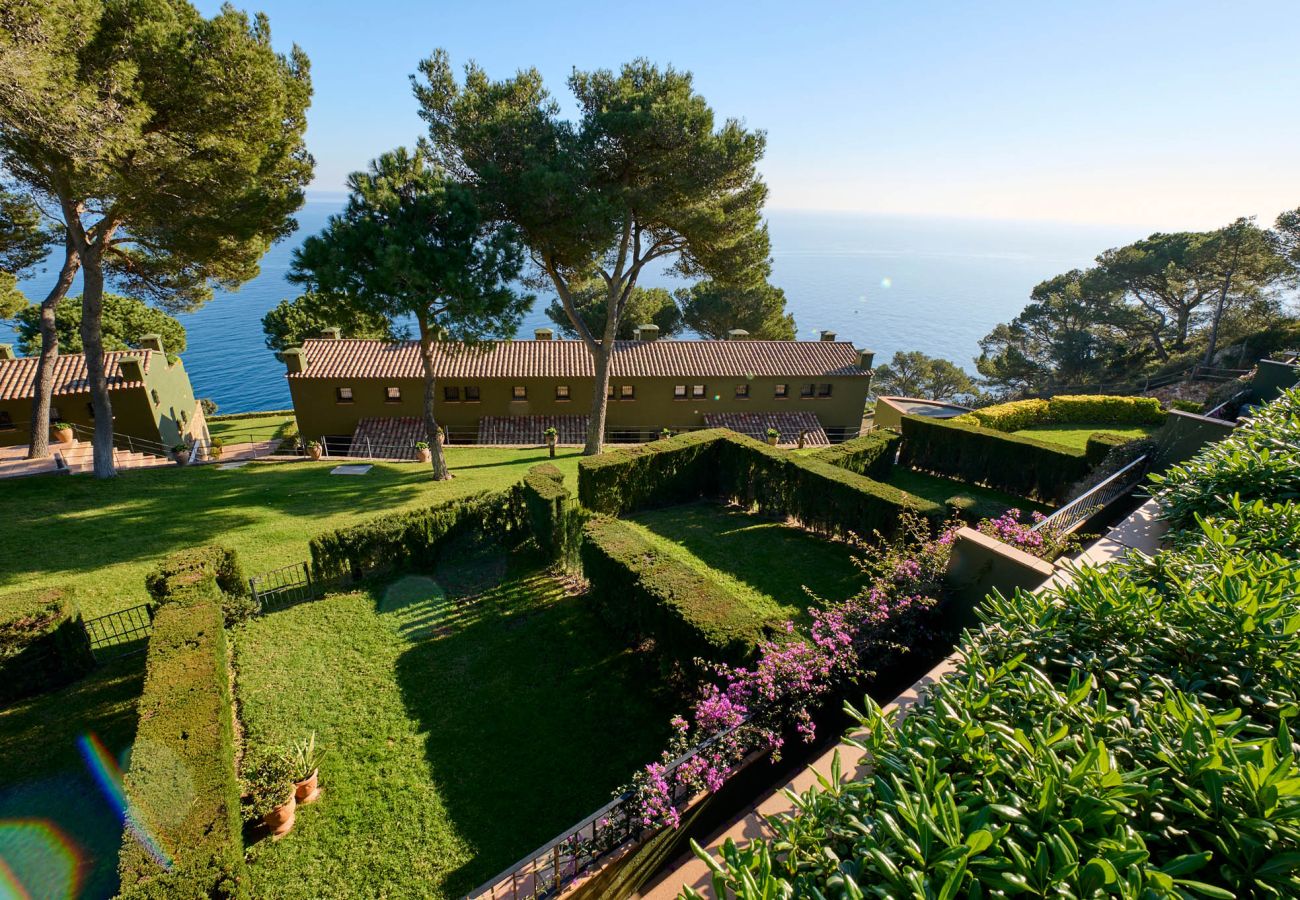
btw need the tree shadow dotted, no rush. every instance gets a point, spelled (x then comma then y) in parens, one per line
(535, 713)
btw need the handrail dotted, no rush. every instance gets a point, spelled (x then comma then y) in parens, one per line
(132, 442)
(1071, 516)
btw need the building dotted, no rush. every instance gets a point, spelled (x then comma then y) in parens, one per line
(350, 392)
(151, 395)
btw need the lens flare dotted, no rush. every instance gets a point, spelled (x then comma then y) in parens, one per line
(108, 774)
(37, 860)
(886, 282)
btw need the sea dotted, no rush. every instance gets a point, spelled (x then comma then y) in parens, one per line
(886, 283)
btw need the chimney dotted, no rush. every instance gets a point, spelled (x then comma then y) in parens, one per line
(866, 358)
(132, 368)
(543, 334)
(737, 334)
(333, 333)
(7, 351)
(647, 332)
(295, 360)
(828, 336)
(151, 342)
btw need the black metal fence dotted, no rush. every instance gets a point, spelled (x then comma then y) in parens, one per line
(283, 587)
(1071, 516)
(120, 633)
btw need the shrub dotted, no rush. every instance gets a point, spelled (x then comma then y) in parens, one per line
(1013, 416)
(871, 455)
(42, 643)
(1029, 468)
(1100, 444)
(267, 782)
(645, 594)
(1190, 406)
(182, 836)
(1093, 409)
(194, 565)
(658, 473)
(554, 517)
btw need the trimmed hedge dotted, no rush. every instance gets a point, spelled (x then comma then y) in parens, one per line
(553, 516)
(189, 566)
(723, 464)
(871, 455)
(181, 789)
(1100, 445)
(645, 594)
(1011, 416)
(43, 643)
(1029, 468)
(1068, 409)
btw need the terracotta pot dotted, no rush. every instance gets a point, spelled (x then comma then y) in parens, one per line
(772, 440)
(63, 435)
(183, 459)
(279, 821)
(306, 791)
(314, 452)
(424, 454)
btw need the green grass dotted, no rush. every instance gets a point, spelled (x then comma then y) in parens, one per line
(252, 428)
(100, 538)
(1076, 436)
(766, 563)
(985, 502)
(464, 728)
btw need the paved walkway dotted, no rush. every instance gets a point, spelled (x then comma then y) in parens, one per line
(78, 457)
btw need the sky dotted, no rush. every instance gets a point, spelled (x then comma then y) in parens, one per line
(1157, 113)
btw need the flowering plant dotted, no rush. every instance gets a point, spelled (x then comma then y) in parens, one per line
(1046, 543)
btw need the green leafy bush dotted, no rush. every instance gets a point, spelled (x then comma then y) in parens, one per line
(1101, 444)
(1029, 468)
(658, 473)
(871, 455)
(267, 782)
(1259, 460)
(199, 563)
(181, 789)
(1013, 416)
(645, 594)
(42, 643)
(1094, 409)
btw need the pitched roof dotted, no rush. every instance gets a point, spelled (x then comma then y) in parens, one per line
(17, 376)
(569, 359)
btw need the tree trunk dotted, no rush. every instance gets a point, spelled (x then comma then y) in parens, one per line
(439, 460)
(599, 401)
(92, 343)
(43, 384)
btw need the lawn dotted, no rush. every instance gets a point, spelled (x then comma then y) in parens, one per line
(253, 428)
(1076, 436)
(100, 538)
(767, 563)
(983, 502)
(466, 725)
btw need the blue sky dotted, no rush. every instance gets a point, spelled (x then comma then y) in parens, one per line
(1158, 113)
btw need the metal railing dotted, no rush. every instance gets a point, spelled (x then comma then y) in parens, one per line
(120, 633)
(283, 587)
(125, 441)
(1070, 517)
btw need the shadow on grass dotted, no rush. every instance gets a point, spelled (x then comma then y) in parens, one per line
(534, 712)
(59, 832)
(771, 557)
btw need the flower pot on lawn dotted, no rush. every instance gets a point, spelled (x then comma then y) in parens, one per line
(772, 439)
(307, 790)
(424, 454)
(279, 821)
(62, 434)
(314, 451)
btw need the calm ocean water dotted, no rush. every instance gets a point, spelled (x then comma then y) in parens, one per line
(885, 283)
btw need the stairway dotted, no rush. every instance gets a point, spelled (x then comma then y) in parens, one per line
(79, 456)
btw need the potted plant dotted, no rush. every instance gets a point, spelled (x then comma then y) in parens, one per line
(665, 434)
(304, 759)
(62, 432)
(773, 436)
(269, 792)
(422, 451)
(181, 453)
(552, 435)
(314, 449)
(214, 448)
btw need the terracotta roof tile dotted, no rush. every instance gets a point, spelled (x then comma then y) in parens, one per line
(17, 376)
(570, 359)
(790, 424)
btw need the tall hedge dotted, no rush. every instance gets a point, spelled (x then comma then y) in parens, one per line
(1029, 468)
(553, 515)
(43, 643)
(1068, 409)
(644, 593)
(183, 835)
(871, 455)
(726, 465)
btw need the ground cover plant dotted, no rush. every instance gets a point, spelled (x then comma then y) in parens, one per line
(1076, 436)
(1128, 733)
(253, 427)
(470, 715)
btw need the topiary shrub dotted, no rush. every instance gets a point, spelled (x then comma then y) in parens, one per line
(42, 643)
(553, 515)
(196, 564)
(1013, 416)
(1095, 409)
(871, 455)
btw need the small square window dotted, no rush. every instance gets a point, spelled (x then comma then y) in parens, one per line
(90, 411)
(519, 392)
(471, 395)
(823, 390)
(697, 392)
(627, 392)
(561, 392)
(782, 391)
(343, 394)
(679, 392)
(610, 393)
(451, 394)
(392, 395)
(185, 419)
(55, 415)
(742, 392)
(153, 394)
(807, 390)
(7, 421)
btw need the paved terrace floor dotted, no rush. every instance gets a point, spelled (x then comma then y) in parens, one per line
(1142, 532)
